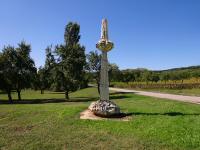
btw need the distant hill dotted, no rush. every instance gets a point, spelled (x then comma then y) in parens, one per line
(167, 70)
(182, 69)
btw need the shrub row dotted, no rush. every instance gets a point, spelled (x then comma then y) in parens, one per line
(155, 85)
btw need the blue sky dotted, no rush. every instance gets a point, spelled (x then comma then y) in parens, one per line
(154, 34)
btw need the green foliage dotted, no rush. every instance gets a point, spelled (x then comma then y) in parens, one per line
(72, 35)
(17, 69)
(25, 68)
(72, 59)
(64, 64)
(94, 66)
(50, 60)
(179, 78)
(42, 79)
(113, 72)
(8, 59)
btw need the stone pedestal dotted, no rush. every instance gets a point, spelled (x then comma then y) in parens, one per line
(104, 108)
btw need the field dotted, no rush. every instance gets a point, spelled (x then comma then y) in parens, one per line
(49, 122)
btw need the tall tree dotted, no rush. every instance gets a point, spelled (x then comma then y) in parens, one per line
(24, 68)
(8, 59)
(71, 59)
(50, 63)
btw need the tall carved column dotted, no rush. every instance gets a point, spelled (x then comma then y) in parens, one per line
(104, 84)
(104, 107)
(104, 45)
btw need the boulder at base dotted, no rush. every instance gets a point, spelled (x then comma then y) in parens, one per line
(104, 108)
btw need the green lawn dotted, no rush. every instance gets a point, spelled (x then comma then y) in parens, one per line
(50, 122)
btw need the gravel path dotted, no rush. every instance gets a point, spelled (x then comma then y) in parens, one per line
(190, 99)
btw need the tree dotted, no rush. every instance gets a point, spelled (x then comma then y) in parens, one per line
(155, 77)
(184, 75)
(94, 66)
(25, 70)
(8, 59)
(113, 72)
(165, 76)
(127, 76)
(41, 80)
(57, 78)
(174, 76)
(50, 60)
(71, 59)
(50, 63)
(146, 76)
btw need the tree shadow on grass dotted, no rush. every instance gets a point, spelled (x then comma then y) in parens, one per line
(54, 93)
(113, 96)
(162, 114)
(120, 95)
(117, 93)
(60, 100)
(43, 101)
(2, 92)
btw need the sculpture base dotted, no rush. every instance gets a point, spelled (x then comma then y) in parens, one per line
(105, 108)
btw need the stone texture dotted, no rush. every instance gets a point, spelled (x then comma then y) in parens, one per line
(104, 45)
(88, 114)
(104, 84)
(104, 108)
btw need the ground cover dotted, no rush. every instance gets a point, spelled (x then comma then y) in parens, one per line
(51, 122)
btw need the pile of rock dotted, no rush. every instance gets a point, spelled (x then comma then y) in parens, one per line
(105, 108)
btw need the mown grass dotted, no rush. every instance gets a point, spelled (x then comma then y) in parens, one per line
(155, 123)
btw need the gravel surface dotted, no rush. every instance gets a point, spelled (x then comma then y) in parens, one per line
(190, 99)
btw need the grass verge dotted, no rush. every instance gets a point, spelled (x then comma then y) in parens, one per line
(155, 124)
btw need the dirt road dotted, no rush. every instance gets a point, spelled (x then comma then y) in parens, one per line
(190, 99)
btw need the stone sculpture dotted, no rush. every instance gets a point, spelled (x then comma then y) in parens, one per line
(104, 107)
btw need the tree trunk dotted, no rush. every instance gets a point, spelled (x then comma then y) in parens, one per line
(66, 94)
(98, 86)
(41, 91)
(10, 97)
(19, 94)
